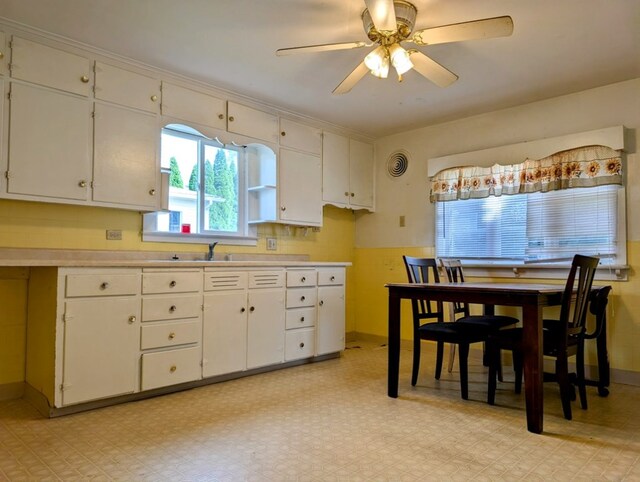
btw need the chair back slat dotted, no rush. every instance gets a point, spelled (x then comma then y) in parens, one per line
(575, 299)
(453, 269)
(422, 270)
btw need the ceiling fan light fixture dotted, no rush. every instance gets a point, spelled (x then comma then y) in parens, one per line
(377, 61)
(400, 59)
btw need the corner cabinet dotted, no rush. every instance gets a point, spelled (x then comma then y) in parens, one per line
(347, 172)
(94, 334)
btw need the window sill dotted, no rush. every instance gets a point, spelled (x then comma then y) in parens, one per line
(541, 271)
(194, 238)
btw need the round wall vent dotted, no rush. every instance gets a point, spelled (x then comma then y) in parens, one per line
(397, 163)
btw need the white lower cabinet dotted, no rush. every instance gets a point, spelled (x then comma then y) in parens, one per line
(265, 327)
(331, 311)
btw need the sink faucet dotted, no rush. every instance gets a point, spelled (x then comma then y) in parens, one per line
(211, 248)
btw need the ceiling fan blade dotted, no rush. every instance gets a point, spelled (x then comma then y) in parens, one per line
(383, 14)
(457, 32)
(431, 69)
(352, 79)
(321, 48)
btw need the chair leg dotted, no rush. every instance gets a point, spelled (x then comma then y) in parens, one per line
(516, 354)
(463, 355)
(452, 356)
(580, 382)
(493, 353)
(562, 372)
(439, 355)
(416, 359)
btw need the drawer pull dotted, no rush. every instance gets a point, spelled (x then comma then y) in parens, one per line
(172, 284)
(173, 368)
(302, 298)
(132, 319)
(84, 79)
(302, 319)
(301, 345)
(172, 335)
(321, 303)
(303, 279)
(172, 308)
(333, 278)
(82, 184)
(104, 286)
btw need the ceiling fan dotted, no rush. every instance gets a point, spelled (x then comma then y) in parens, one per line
(388, 23)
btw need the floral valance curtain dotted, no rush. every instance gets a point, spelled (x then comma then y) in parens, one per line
(581, 167)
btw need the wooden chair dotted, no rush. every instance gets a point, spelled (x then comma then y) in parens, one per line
(461, 334)
(455, 274)
(561, 338)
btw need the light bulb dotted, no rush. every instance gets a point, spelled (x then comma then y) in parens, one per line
(400, 59)
(377, 62)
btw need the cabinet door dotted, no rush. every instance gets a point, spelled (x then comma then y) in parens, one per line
(361, 174)
(252, 122)
(192, 106)
(49, 66)
(125, 168)
(49, 143)
(331, 322)
(300, 136)
(4, 55)
(266, 326)
(101, 342)
(124, 87)
(335, 169)
(224, 338)
(299, 188)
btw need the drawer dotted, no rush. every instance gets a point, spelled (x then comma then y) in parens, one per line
(299, 297)
(331, 276)
(170, 367)
(225, 280)
(171, 307)
(171, 282)
(301, 277)
(300, 318)
(299, 344)
(102, 284)
(266, 279)
(160, 335)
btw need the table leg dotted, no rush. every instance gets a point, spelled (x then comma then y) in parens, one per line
(533, 369)
(394, 344)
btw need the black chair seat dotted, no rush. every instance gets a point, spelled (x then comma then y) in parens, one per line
(454, 332)
(493, 322)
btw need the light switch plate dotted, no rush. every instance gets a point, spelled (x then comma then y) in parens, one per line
(114, 234)
(272, 244)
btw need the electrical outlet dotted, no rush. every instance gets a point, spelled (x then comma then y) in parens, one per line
(272, 244)
(114, 234)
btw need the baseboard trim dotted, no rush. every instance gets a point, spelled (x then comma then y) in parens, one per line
(11, 391)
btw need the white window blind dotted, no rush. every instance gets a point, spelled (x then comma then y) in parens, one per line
(537, 227)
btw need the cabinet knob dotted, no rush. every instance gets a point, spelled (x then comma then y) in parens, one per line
(1, 55)
(252, 309)
(104, 286)
(231, 118)
(154, 98)
(172, 335)
(346, 193)
(84, 79)
(152, 192)
(243, 309)
(302, 298)
(283, 208)
(172, 308)
(173, 368)
(352, 194)
(82, 183)
(220, 116)
(301, 344)
(303, 279)
(321, 303)
(172, 284)
(302, 319)
(132, 319)
(333, 278)
(283, 133)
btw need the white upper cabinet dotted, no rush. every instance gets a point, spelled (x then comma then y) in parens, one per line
(192, 106)
(125, 168)
(51, 67)
(335, 169)
(127, 88)
(49, 144)
(360, 174)
(300, 188)
(4, 54)
(251, 122)
(300, 137)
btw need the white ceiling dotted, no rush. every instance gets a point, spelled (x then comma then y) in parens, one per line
(558, 47)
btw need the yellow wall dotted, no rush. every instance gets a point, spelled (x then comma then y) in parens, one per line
(51, 226)
(376, 266)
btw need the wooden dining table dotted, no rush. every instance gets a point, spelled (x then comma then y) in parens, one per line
(532, 298)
